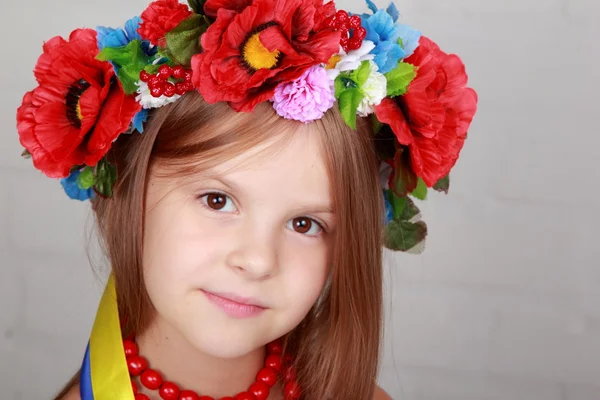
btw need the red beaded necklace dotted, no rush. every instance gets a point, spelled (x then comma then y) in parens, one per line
(265, 379)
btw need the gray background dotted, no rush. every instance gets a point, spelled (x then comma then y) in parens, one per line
(505, 302)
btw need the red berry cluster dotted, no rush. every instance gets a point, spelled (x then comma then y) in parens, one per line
(342, 22)
(159, 83)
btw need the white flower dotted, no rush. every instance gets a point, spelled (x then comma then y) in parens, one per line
(351, 60)
(148, 101)
(374, 89)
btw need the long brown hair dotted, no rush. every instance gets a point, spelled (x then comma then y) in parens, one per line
(337, 345)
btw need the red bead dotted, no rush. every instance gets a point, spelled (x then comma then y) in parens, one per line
(344, 42)
(144, 76)
(360, 33)
(151, 379)
(244, 396)
(140, 396)
(354, 21)
(268, 376)
(169, 391)
(290, 374)
(275, 347)
(189, 87)
(180, 88)
(291, 391)
(188, 76)
(155, 81)
(157, 91)
(178, 72)
(169, 89)
(136, 365)
(164, 71)
(342, 17)
(130, 347)
(188, 395)
(273, 361)
(260, 390)
(353, 44)
(134, 387)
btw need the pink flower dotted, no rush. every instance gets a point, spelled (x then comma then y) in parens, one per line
(306, 98)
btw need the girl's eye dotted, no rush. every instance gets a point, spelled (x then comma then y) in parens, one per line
(306, 226)
(218, 202)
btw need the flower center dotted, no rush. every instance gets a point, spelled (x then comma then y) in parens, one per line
(333, 61)
(74, 115)
(257, 56)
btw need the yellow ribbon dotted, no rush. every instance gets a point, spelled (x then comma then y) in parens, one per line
(109, 373)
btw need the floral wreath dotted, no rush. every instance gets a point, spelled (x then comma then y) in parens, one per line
(303, 56)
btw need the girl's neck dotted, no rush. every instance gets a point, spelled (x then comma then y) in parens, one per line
(178, 361)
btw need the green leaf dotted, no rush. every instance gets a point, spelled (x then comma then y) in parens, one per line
(131, 60)
(410, 212)
(348, 102)
(106, 176)
(197, 6)
(339, 86)
(405, 180)
(129, 75)
(399, 78)
(398, 203)
(376, 124)
(420, 191)
(405, 236)
(86, 178)
(443, 185)
(343, 82)
(26, 154)
(183, 42)
(360, 75)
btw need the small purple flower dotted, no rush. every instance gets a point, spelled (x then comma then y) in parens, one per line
(307, 98)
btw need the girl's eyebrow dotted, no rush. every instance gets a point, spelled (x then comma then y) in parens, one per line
(224, 181)
(315, 209)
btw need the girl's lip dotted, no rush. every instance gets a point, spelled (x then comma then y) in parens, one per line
(235, 306)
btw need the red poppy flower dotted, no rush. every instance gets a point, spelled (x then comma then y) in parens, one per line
(211, 7)
(247, 54)
(433, 117)
(78, 109)
(161, 17)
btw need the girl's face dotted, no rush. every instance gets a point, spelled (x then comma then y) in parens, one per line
(237, 256)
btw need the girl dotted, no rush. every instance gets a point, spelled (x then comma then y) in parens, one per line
(242, 212)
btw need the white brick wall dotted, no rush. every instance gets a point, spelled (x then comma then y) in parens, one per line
(504, 305)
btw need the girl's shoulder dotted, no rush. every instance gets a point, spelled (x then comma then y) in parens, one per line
(380, 394)
(72, 394)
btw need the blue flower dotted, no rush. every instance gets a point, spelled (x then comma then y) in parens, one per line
(389, 210)
(117, 37)
(393, 41)
(410, 39)
(139, 119)
(73, 190)
(382, 31)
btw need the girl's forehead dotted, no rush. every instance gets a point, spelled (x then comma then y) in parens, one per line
(294, 152)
